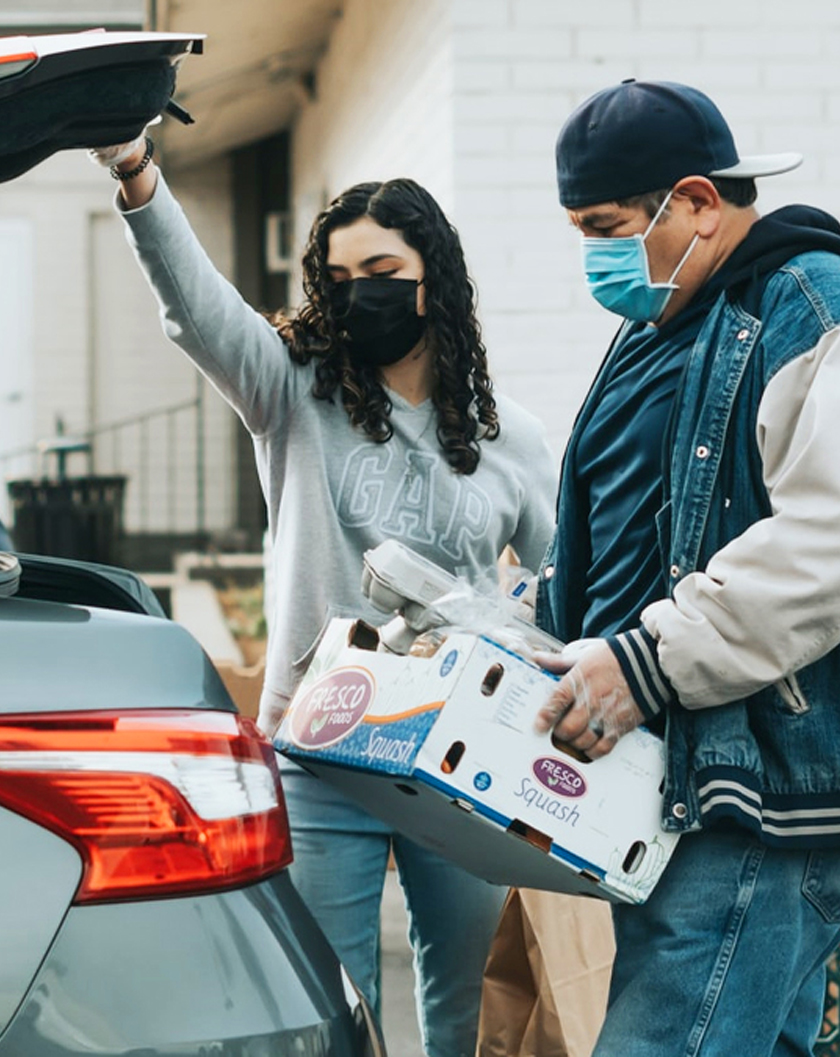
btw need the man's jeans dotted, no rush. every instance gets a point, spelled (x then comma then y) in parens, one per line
(340, 859)
(726, 959)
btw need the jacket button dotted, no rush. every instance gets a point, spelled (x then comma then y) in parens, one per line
(679, 810)
(549, 572)
(675, 571)
(742, 335)
(701, 451)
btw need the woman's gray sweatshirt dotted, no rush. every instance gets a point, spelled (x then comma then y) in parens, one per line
(332, 492)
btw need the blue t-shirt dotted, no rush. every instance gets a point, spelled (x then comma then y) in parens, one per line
(617, 469)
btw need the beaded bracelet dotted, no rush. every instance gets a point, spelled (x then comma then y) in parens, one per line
(129, 174)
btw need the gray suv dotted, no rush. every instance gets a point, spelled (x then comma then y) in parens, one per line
(145, 907)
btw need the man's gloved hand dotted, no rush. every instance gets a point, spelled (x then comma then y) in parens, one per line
(592, 706)
(527, 601)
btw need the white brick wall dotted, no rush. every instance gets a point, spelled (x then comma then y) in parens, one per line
(382, 107)
(770, 65)
(467, 97)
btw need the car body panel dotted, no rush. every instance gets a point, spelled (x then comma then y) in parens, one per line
(237, 972)
(38, 879)
(100, 659)
(81, 90)
(240, 966)
(86, 584)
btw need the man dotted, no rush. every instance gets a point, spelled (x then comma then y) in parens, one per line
(698, 536)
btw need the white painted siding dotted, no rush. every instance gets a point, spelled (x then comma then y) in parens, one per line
(467, 97)
(770, 66)
(505, 75)
(17, 289)
(97, 352)
(382, 106)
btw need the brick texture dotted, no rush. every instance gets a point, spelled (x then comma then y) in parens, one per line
(467, 97)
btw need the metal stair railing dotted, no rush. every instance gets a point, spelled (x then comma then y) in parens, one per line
(148, 449)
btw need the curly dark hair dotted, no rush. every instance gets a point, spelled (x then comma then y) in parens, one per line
(462, 391)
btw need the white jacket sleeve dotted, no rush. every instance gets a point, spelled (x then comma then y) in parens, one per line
(768, 602)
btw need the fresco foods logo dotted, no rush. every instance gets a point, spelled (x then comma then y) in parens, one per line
(560, 778)
(332, 707)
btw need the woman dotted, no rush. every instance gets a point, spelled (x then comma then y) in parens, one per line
(372, 416)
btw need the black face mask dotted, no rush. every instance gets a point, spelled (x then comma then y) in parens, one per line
(380, 317)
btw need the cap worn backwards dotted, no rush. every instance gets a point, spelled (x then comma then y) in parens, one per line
(642, 136)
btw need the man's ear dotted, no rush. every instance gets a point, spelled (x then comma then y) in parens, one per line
(704, 201)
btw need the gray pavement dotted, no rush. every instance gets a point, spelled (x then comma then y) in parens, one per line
(399, 1019)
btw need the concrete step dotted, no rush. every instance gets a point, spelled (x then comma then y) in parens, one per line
(196, 605)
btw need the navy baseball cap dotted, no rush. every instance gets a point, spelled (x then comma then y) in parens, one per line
(642, 136)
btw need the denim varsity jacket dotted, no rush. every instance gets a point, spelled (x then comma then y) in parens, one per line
(742, 656)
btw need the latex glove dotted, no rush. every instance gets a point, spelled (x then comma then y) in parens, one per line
(592, 706)
(527, 600)
(113, 155)
(118, 152)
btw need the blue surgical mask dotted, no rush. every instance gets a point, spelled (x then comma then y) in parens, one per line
(618, 274)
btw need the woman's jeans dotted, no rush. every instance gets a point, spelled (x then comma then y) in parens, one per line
(726, 959)
(340, 858)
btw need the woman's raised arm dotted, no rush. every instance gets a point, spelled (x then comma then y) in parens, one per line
(131, 164)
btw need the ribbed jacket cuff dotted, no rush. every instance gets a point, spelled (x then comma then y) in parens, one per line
(636, 653)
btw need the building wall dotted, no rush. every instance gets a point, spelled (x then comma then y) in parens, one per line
(58, 16)
(381, 107)
(509, 73)
(522, 65)
(98, 356)
(465, 96)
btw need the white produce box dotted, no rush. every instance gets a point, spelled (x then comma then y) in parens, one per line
(444, 749)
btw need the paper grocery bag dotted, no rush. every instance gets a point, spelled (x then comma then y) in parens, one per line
(547, 976)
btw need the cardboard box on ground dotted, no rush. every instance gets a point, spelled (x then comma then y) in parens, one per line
(444, 749)
(244, 684)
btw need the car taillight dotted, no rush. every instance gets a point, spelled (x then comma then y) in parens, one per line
(157, 803)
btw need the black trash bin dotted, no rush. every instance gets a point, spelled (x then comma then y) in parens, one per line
(71, 517)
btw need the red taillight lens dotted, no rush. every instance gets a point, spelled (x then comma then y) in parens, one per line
(157, 803)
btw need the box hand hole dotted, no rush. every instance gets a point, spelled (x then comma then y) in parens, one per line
(635, 855)
(453, 757)
(491, 680)
(527, 833)
(363, 636)
(568, 750)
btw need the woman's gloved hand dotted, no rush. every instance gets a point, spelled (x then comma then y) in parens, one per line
(118, 152)
(592, 706)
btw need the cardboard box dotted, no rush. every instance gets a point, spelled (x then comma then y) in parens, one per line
(244, 683)
(443, 748)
